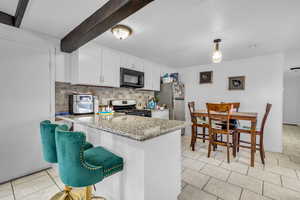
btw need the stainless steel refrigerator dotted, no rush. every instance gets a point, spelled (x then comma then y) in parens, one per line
(172, 94)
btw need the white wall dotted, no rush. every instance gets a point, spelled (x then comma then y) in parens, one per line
(27, 89)
(291, 107)
(264, 83)
(291, 99)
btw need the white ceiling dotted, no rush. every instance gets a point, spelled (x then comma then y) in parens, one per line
(9, 6)
(179, 33)
(58, 17)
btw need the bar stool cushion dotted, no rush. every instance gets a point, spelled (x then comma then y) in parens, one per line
(78, 168)
(87, 145)
(99, 156)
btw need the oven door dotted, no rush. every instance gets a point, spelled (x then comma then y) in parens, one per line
(131, 78)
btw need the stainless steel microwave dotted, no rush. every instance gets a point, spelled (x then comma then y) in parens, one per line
(81, 104)
(131, 78)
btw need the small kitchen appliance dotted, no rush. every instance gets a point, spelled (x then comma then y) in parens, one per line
(80, 104)
(131, 78)
(129, 108)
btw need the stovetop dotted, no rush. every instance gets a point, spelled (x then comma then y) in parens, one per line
(144, 113)
(129, 107)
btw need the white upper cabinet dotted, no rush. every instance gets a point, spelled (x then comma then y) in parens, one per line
(152, 76)
(100, 66)
(94, 65)
(110, 68)
(156, 78)
(131, 62)
(148, 76)
(88, 69)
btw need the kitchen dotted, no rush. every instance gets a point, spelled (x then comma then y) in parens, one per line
(116, 99)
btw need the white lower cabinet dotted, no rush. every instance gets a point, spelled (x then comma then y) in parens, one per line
(160, 114)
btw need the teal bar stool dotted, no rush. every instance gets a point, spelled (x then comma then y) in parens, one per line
(47, 131)
(83, 168)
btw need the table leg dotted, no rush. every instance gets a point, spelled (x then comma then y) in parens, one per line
(253, 142)
(194, 137)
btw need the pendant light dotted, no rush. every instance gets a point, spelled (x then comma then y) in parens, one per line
(121, 32)
(217, 54)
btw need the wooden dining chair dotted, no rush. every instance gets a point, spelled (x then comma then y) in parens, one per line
(247, 130)
(235, 105)
(197, 122)
(233, 122)
(218, 113)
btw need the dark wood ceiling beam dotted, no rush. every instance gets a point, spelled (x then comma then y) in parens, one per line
(103, 19)
(6, 19)
(22, 5)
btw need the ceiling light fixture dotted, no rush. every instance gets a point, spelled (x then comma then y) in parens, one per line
(217, 54)
(121, 32)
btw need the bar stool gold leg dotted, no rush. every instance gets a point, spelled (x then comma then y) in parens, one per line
(69, 194)
(89, 196)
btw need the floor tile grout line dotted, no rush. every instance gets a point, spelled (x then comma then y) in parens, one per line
(37, 172)
(263, 188)
(202, 189)
(53, 180)
(13, 190)
(281, 181)
(229, 177)
(241, 193)
(212, 177)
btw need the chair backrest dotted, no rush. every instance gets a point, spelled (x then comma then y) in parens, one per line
(219, 113)
(47, 131)
(70, 156)
(264, 120)
(235, 105)
(191, 106)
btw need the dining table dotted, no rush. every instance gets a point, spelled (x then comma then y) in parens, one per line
(244, 116)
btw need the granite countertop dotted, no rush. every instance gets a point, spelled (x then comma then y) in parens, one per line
(133, 127)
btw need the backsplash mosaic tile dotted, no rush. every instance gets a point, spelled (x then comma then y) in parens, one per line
(63, 90)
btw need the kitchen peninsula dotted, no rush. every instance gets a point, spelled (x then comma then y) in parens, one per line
(151, 149)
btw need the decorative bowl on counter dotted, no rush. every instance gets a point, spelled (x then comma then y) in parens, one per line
(105, 113)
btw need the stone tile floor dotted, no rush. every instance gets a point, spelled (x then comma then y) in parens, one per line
(202, 178)
(214, 178)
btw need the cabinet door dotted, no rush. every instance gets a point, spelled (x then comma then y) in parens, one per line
(148, 76)
(110, 73)
(131, 62)
(89, 64)
(156, 78)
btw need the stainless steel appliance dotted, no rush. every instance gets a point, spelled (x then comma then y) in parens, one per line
(81, 104)
(172, 94)
(129, 108)
(131, 78)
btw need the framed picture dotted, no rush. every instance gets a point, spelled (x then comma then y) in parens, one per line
(206, 77)
(237, 83)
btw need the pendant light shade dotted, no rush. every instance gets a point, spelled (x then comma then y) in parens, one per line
(217, 54)
(121, 32)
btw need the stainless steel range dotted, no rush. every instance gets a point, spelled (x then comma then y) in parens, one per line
(129, 107)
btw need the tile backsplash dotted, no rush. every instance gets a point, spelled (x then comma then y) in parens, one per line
(63, 90)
